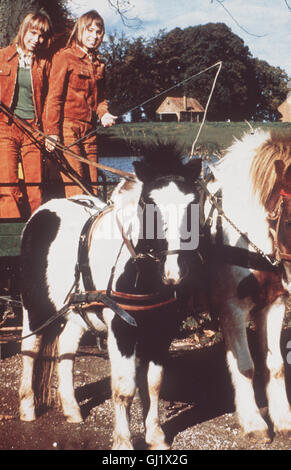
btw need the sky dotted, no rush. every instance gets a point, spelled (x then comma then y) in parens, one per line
(264, 25)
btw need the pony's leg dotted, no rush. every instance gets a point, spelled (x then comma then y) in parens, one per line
(154, 434)
(241, 368)
(68, 345)
(279, 408)
(29, 349)
(123, 385)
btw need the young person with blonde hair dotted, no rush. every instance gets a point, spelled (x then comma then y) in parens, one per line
(24, 70)
(77, 98)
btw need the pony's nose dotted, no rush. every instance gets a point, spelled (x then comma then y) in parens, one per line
(169, 279)
(172, 272)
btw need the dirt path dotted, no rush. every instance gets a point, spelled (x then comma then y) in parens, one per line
(196, 406)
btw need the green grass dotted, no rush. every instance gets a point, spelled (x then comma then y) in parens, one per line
(214, 137)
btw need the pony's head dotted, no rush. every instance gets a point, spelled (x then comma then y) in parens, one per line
(280, 223)
(169, 205)
(271, 159)
(271, 171)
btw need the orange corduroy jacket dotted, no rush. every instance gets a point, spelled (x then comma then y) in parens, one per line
(8, 77)
(76, 89)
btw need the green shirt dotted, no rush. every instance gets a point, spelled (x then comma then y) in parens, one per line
(24, 107)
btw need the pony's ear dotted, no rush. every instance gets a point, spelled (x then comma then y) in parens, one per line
(141, 171)
(192, 169)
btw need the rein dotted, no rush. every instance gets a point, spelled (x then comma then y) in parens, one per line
(245, 257)
(66, 149)
(155, 256)
(27, 128)
(149, 100)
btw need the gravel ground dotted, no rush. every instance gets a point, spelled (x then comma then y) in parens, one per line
(196, 405)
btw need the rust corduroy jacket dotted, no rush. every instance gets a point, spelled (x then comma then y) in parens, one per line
(76, 89)
(8, 77)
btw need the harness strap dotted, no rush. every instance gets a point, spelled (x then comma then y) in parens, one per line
(274, 263)
(125, 239)
(59, 314)
(82, 267)
(112, 299)
(239, 257)
(83, 260)
(100, 298)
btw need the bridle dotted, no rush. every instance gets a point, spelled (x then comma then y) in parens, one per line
(259, 259)
(276, 215)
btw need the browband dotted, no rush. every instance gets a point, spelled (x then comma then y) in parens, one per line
(283, 193)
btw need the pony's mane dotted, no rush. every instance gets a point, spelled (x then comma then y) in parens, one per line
(263, 173)
(163, 157)
(248, 165)
(125, 193)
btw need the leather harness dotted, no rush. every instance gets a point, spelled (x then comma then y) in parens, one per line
(120, 302)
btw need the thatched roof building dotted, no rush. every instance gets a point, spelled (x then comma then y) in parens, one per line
(182, 108)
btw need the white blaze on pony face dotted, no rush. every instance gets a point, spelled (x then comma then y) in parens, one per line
(172, 204)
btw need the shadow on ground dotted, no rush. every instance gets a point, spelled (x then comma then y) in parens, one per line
(196, 401)
(196, 387)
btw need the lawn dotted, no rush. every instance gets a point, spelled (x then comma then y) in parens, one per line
(124, 138)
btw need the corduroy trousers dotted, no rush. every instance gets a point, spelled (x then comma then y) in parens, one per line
(17, 146)
(87, 148)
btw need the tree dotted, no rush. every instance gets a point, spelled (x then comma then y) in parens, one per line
(182, 53)
(129, 78)
(247, 88)
(123, 7)
(271, 90)
(140, 69)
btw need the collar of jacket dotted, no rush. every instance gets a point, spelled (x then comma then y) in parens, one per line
(12, 52)
(25, 60)
(81, 53)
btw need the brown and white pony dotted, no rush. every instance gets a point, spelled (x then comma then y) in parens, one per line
(254, 179)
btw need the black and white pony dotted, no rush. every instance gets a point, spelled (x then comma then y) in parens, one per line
(136, 255)
(253, 182)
